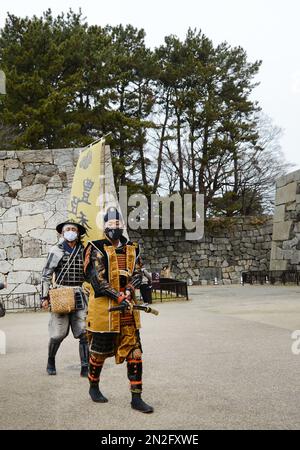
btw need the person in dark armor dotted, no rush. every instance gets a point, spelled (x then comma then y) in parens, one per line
(64, 266)
(2, 307)
(113, 270)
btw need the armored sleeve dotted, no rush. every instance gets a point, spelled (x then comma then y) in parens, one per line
(52, 262)
(95, 274)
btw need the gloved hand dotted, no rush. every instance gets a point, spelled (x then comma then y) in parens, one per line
(45, 303)
(124, 301)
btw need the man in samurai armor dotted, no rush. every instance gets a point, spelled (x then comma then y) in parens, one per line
(113, 270)
(2, 307)
(64, 266)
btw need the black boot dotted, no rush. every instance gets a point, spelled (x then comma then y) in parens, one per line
(84, 356)
(139, 404)
(52, 350)
(96, 394)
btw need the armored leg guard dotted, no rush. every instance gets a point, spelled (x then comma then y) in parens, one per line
(84, 355)
(95, 367)
(135, 369)
(134, 372)
(52, 350)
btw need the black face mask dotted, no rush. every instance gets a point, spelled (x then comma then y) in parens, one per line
(114, 233)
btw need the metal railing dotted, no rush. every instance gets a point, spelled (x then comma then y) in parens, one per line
(20, 302)
(165, 288)
(169, 288)
(271, 277)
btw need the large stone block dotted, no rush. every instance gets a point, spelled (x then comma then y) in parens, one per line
(76, 153)
(61, 205)
(288, 254)
(290, 206)
(279, 213)
(55, 182)
(9, 228)
(8, 240)
(69, 171)
(11, 214)
(15, 185)
(1, 171)
(5, 202)
(32, 168)
(4, 188)
(290, 177)
(48, 170)
(282, 181)
(13, 174)
(63, 157)
(27, 180)
(28, 223)
(32, 193)
(31, 248)
(41, 179)
(295, 259)
(34, 156)
(14, 252)
(281, 230)
(18, 277)
(11, 163)
(48, 236)
(292, 243)
(2, 254)
(5, 266)
(11, 154)
(55, 220)
(276, 264)
(27, 209)
(48, 215)
(35, 264)
(286, 194)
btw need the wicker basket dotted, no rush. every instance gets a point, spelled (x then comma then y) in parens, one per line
(62, 300)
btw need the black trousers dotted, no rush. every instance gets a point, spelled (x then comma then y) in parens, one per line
(146, 293)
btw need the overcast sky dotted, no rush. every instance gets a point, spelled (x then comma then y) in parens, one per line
(267, 29)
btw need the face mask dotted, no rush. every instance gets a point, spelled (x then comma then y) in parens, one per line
(70, 235)
(114, 233)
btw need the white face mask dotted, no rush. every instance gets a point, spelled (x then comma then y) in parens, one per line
(70, 235)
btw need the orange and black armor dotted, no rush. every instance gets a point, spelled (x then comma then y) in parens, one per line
(109, 271)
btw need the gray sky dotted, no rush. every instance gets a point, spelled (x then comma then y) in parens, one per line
(266, 29)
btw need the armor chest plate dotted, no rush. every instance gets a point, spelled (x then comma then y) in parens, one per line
(69, 271)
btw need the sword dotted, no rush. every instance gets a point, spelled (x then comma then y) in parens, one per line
(144, 307)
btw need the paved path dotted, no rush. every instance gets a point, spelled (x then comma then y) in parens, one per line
(222, 360)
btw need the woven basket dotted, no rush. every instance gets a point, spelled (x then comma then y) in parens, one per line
(62, 300)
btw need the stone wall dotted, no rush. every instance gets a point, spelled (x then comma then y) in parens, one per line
(34, 188)
(285, 252)
(228, 248)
